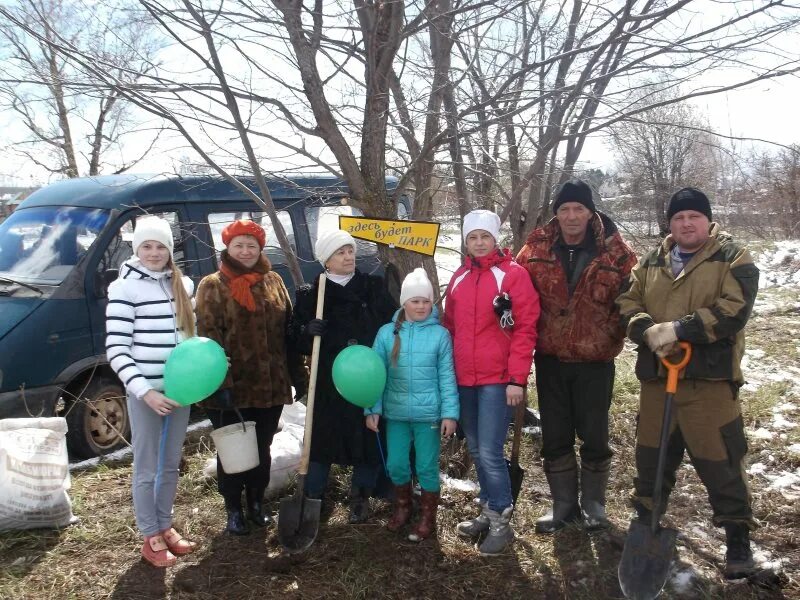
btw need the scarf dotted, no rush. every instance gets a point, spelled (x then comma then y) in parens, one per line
(241, 279)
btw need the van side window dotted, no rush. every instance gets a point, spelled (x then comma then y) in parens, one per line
(218, 221)
(323, 218)
(120, 248)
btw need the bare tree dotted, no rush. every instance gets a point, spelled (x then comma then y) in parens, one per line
(661, 150)
(767, 203)
(546, 76)
(74, 125)
(499, 96)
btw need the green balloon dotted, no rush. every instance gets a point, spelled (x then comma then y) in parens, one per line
(194, 370)
(359, 375)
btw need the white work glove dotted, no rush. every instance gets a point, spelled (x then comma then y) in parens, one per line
(660, 337)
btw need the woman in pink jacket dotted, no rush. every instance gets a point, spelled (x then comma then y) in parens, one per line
(491, 311)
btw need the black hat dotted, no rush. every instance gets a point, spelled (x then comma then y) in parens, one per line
(688, 199)
(574, 190)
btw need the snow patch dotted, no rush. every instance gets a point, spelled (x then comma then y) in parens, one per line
(462, 485)
(681, 581)
(761, 434)
(779, 265)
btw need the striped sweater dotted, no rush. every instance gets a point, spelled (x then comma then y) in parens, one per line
(141, 326)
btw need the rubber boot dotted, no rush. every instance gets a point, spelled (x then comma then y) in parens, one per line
(739, 558)
(476, 527)
(500, 532)
(562, 475)
(359, 505)
(236, 524)
(255, 507)
(594, 481)
(402, 507)
(429, 504)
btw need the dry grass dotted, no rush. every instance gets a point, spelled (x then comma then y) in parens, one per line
(98, 557)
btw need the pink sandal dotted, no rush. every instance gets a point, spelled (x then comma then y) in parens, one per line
(156, 552)
(176, 543)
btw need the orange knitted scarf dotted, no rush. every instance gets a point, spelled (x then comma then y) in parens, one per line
(241, 279)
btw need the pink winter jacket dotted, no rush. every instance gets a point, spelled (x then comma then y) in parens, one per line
(485, 353)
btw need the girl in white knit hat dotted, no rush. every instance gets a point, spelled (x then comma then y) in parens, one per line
(420, 403)
(149, 313)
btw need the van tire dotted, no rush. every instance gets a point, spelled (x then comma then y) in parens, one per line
(98, 421)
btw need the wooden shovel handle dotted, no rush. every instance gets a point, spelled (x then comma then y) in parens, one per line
(312, 383)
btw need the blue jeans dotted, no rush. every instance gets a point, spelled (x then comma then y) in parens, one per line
(485, 417)
(364, 476)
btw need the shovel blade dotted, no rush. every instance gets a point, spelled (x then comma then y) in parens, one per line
(517, 474)
(645, 562)
(298, 521)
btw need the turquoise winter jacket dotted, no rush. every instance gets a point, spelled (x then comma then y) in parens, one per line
(422, 386)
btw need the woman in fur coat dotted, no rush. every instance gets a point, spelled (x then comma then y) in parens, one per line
(245, 307)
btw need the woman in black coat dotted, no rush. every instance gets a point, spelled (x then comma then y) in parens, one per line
(356, 306)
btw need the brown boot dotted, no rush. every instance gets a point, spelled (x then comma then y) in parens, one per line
(402, 507)
(427, 520)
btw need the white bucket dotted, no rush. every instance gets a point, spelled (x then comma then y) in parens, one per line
(237, 449)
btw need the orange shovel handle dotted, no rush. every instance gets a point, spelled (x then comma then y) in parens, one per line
(674, 369)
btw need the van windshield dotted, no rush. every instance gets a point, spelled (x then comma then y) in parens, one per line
(42, 244)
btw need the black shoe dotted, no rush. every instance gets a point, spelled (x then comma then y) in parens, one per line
(255, 508)
(359, 505)
(236, 524)
(739, 558)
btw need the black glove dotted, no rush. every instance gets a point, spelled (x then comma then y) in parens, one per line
(224, 399)
(316, 327)
(501, 304)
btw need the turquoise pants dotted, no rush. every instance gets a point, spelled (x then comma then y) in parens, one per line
(425, 437)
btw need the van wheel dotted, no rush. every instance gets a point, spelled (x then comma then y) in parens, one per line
(98, 421)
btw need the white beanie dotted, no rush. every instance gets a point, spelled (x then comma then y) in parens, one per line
(416, 285)
(329, 242)
(152, 228)
(481, 219)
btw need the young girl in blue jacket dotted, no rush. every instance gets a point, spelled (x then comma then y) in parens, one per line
(420, 402)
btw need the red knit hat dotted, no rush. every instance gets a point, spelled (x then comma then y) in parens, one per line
(244, 227)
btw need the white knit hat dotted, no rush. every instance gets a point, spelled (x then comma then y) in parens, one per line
(329, 242)
(481, 219)
(152, 228)
(416, 285)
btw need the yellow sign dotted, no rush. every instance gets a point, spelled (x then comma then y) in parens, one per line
(416, 236)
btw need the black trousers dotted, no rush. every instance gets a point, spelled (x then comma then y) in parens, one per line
(574, 398)
(266, 420)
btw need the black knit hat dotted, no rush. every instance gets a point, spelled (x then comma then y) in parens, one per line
(574, 190)
(688, 199)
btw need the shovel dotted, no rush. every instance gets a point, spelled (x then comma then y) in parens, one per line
(298, 516)
(648, 551)
(515, 472)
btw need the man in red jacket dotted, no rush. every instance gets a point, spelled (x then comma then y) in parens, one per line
(578, 263)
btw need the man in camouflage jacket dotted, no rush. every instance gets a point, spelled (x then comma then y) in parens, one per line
(578, 263)
(698, 286)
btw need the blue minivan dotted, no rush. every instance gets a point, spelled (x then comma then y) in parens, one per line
(63, 246)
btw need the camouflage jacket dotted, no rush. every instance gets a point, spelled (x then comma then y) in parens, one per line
(712, 298)
(583, 327)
